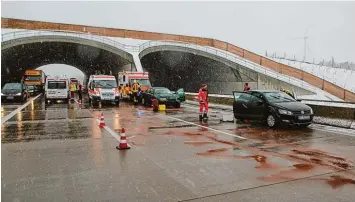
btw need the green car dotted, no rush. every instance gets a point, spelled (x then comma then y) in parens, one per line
(164, 96)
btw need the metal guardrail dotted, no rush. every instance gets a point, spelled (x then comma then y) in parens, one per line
(306, 101)
(34, 33)
(234, 58)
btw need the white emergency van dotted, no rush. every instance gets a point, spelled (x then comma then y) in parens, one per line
(57, 88)
(103, 89)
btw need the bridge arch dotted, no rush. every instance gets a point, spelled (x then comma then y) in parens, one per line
(85, 52)
(224, 72)
(12, 39)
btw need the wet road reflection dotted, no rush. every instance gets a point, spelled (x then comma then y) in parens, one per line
(183, 146)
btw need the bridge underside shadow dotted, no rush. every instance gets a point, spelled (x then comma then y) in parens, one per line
(15, 60)
(176, 69)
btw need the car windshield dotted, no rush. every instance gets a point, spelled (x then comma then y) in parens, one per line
(162, 91)
(274, 97)
(57, 85)
(105, 84)
(32, 78)
(12, 86)
(143, 82)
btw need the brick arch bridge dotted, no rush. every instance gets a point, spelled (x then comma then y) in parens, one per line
(333, 89)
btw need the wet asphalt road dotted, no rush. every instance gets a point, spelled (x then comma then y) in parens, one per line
(58, 153)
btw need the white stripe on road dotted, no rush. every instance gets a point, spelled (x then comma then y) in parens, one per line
(329, 129)
(113, 133)
(215, 130)
(9, 116)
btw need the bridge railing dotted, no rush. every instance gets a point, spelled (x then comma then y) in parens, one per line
(54, 33)
(234, 58)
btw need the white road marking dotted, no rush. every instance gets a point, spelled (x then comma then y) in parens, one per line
(113, 133)
(214, 111)
(329, 129)
(9, 116)
(212, 129)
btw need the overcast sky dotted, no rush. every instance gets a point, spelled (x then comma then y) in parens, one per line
(257, 26)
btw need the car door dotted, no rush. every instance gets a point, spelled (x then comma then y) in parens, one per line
(256, 105)
(181, 94)
(240, 105)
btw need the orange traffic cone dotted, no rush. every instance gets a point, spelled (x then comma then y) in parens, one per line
(123, 141)
(102, 121)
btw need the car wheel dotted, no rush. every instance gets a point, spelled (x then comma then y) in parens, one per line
(305, 125)
(143, 101)
(177, 105)
(271, 121)
(118, 104)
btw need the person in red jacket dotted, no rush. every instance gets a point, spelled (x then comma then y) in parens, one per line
(203, 100)
(246, 87)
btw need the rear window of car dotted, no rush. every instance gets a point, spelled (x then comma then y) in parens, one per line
(57, 85)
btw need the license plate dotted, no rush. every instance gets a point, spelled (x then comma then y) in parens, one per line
(10, 97)
(106, 98)
(304, 117)
(163, 99)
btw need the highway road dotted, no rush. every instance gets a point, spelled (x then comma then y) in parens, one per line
(57, 152)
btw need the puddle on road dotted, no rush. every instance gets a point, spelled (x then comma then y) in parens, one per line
(337, 181)
(25, 132)
(197, 143)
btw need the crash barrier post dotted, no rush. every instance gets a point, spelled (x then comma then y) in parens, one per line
(102, 121)
(123, 141)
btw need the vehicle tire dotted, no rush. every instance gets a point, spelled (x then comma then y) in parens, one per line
(305, 125)
(118, 104)
(271, 121)
(177, 105)
(24, 99)
(143, 101)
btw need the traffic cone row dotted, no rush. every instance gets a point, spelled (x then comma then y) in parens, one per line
(102, 121)
(123, 141)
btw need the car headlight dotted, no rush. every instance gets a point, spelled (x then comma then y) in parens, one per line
(286, 112)
(2, 94)
(18, 93)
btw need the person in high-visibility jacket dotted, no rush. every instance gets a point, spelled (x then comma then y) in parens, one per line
(135, 88)
(203, 100)
(127, 89)
(72, 90)
(289, 92)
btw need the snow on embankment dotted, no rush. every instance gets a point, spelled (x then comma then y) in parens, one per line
(340, 77)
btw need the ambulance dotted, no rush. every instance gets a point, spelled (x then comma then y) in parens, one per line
(128, 78)
(102, 89)
(56, 89)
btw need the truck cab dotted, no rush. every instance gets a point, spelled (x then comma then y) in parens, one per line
(56, 89)
(103, 89)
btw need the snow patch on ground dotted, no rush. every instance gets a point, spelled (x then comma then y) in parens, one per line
(342, 77)
(344, 123)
